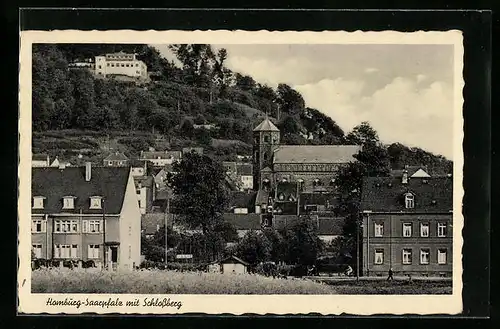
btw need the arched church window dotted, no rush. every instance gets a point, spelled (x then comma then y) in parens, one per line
(264, 156)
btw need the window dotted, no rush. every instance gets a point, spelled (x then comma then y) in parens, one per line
(441, 228)
(424, 230)
(441, 256)
(92, 226)
(123, 65)
(266, 139)
(407, 230)
(95, 202)
(112, 64)
(379, 229)
(406, 256)
(107, 64)
(38, 202)
(99, 66)
(65, 251)
(129, 252)
(379, 256)
(66, 226)
(37, 250)
(38, 226)
(93, 251)
(68, 202)
(424, 256)
(409, 200)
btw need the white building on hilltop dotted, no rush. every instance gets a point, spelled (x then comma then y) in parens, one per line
(120, 63)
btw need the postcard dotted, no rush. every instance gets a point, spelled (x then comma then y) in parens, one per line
(240, 172)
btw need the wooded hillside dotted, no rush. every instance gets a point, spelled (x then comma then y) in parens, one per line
(162, 113)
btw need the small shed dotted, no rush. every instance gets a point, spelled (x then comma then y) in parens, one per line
(233, 265)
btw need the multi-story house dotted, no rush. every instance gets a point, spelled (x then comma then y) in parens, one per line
(120, 64)
(86, 213)
(116, 159)
(407, 225)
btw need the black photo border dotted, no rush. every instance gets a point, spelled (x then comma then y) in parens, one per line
(476, 27)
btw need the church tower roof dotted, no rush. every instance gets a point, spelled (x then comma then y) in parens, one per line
(266, 125)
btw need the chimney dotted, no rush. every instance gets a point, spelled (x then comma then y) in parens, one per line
(88, 171)
(405, 177)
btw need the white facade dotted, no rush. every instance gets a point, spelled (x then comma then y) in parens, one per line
(130, 229)
(234, 269)
(138, 171)
(120, 64)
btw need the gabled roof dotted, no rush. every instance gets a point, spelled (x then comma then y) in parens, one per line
(243, 221)
(266, 125)
(243, 199)
(116, 156)
(266, 169)
(316, 153)
(244, 169)
(55, 183)
(234, 259)
(386, 194)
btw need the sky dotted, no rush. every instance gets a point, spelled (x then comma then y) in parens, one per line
(404, 91)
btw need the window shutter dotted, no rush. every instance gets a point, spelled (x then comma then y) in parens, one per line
(101, 223)
(56, 251)
(85, 226)
(89, 252)
(33, 226)
(44, 225)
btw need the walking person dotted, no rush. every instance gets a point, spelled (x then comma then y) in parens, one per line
(390, 277)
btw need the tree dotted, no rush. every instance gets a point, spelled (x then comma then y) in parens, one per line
(303, 242)
(187, 128)
(289, 100)
(363, 134)
(199, 193)
(278, 247)
(245, 82)
(254, 248)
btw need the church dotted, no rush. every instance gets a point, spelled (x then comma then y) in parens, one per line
(305, 169)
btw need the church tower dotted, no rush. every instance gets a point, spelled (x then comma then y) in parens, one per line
(266, 139)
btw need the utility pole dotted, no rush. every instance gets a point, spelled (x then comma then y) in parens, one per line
(357, 251)
(166, 226)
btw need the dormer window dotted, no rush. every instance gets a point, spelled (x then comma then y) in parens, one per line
(95, 202)
(409, 201)
(38, 202)
(69, 202)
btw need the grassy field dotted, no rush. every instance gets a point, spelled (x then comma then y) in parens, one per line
(167, 282)
(397, 287)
